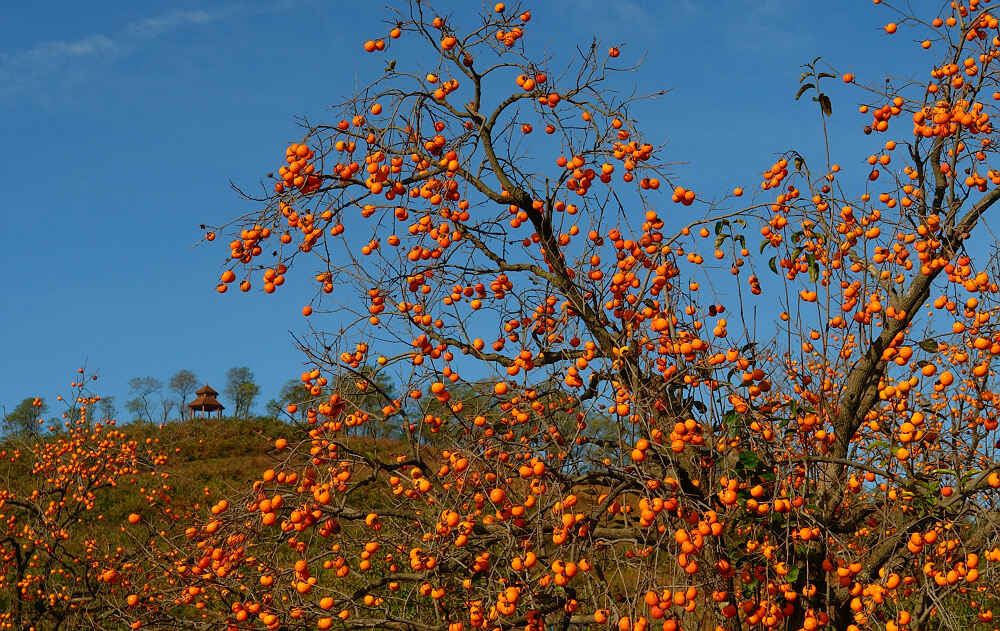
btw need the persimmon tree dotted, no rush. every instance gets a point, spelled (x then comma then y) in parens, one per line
(636, 423)
(56, 560)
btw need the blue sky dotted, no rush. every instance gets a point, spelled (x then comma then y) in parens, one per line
(123, 125)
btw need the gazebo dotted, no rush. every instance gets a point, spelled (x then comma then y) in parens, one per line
(206, 403)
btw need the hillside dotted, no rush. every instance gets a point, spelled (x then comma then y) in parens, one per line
(65, 498)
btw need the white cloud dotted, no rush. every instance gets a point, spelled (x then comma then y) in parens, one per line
(49, 57)
(151, 27)
(70, 61)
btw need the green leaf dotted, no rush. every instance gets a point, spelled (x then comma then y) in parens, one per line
(792, 575)
(719, 240)
(771, 264)
(929, 345)
(763, 244)
(813, 267)
(826, 74)
(798, 162)
(749, 459)
(943, 471)
(802, 90)
(824, 102)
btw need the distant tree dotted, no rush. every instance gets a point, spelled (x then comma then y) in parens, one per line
(23, 419)
(141, 405)
(183, 384)
(241, 389)
(292, 393)
(106, 408)
(166, 407)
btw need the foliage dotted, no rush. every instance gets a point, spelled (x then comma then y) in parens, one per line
(183, 383)
(106, 408)
(241, 389)
(25, 416)
(290, 394)
(141, 406)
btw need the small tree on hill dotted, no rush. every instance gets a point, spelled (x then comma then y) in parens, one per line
(241, 390)
(105, 408)
(23, 419)
(142, 404)
(183, 384)
(290, 397)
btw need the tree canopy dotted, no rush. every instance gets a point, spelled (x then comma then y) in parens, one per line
(184, 383)
(25, 416)
(241, 389)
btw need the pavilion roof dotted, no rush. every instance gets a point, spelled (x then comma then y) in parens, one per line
(206, 401)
